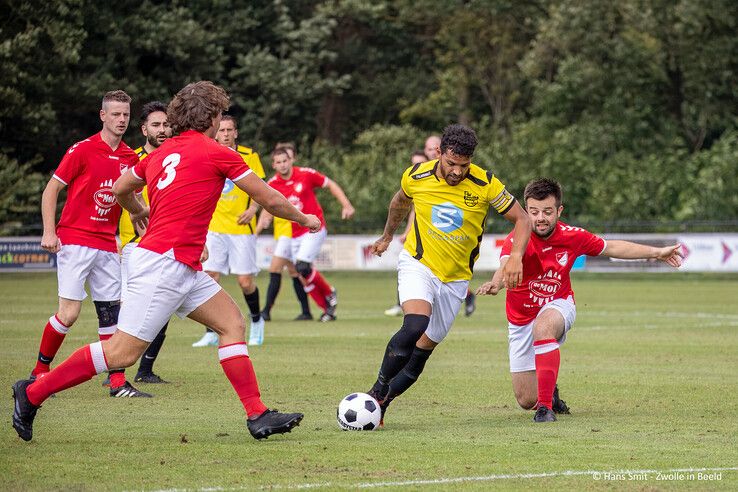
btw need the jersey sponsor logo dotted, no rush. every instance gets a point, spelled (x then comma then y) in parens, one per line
(470, 199)
(447, 217)
(104, 198)
(562, 258)
(422, 175)
(227, 187)
(544, 288)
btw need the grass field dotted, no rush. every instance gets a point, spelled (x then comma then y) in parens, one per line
(649, 371)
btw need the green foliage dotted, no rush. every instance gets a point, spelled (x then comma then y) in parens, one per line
(630, 104)
(370, 174)
(20, 194)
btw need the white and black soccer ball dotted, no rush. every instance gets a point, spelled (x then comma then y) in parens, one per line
(358, 411)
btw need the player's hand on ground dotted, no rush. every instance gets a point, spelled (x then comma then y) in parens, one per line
(246, 217)
(512, 272)
(490, 288)
(50, 242)
(380, 245)
(312, 223)
(347, 212)
(672, 255)
(204, 255)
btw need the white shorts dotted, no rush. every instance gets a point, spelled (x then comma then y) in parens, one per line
(231, 253)
(283, 248)
(520, 338)
(125, 256)
(159, 286)
(307, 247)
(417, 281)
(76, 265)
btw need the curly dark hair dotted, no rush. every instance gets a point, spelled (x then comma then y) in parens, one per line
(152, 107)
(542, 188)
(195, 106)
(459, 139)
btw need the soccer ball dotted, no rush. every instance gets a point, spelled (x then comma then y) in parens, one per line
(358, 411)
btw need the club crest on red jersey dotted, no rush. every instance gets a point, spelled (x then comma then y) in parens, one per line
(562, 258)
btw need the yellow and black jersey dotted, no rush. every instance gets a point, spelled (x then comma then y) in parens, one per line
(449, 220)
(234, 201)
(125, 226)
(282, 228)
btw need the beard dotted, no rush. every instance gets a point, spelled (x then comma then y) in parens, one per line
(153, 140)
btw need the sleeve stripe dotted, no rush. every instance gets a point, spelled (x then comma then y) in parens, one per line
(325, 182)
(248, 171)
(60, 180)
(133, 171)
(604, 247)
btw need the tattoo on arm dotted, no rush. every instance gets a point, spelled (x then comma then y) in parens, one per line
(399, 207)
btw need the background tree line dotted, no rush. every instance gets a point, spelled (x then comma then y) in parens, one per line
(630, 104)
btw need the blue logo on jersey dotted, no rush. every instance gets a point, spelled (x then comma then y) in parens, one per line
(227, 187)
(447, 217)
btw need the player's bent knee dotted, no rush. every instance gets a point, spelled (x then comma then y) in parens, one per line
(304, 268)
(403, 342)
(525, 402)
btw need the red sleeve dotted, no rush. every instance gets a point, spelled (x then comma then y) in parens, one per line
(506, 246)
(590, 244)
(230, 164)
(71, 165)
(316, 179)
(139, 170)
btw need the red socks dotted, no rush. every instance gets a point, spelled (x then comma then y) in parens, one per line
(240, 372)
(118, 376)
(81, 366)
(318, 288)
(51, 340)
(548, 359)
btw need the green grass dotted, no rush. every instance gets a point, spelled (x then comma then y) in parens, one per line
(649, 371)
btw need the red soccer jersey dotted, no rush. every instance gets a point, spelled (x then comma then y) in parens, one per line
(546, 267)
(185, 178)
(299, 191)
(90, 215)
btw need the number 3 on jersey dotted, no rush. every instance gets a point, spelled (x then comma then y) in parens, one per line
(169, 164)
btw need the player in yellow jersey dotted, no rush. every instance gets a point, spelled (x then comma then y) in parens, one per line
(231, 241)
(452, 198)
(155, 128)
(282, 257)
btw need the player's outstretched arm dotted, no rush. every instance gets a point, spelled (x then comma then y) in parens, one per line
(512, 272)
(275, 203)
(49, 240)
(400, 206)
(496, 284)
(124, 190)
(347, 209)
(626, 250)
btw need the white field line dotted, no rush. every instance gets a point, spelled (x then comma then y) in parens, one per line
(596, 475)
(662, 314)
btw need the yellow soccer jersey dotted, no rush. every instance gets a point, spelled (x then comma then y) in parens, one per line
(282, 228)
(233, 201)
(125, 226)
(449, 220)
